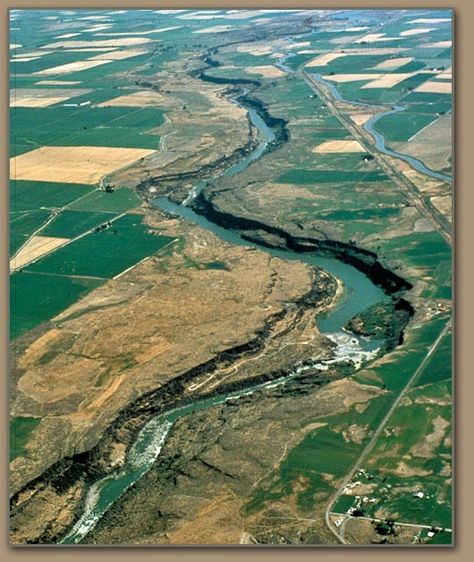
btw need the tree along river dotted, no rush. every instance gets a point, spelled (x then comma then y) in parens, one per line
(359, 293)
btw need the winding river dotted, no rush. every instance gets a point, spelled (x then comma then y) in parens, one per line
(358, 294)
(380, 142)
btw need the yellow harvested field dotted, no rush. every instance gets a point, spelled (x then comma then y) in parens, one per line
(268, 71)
(137, 99)
(215, 29)
(91, 50)
(58, 82)
(409, 32)
(36, 247)
(125, 42)
(15, 46)
(393, 63)
(430, 20)
(433, 87)
(23, 59)
(67, 36)
(71, 67)
(388, 80)
(96, 28)
(443, 203)
(370, 37)
(37, 97)
(446, 74)
(129, 33)
(336, 146)
(119, 55)
(323, 60)
(357, 28)
(261, 48)
(299, 45)
(360, 118)
(241, 15)
(33, 54)
(439, 45)
(73, 164)
(351, 77)
(36, 102)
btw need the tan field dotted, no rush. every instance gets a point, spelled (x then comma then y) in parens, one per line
(393, 63)
(129, 33)
(335, 146)
(268, 71)
(388, 80)
(214, 29)
(257, 49)
(67, 36)
(351, 77)
(15, 45)
(430, 20)
(370, 37)
(127, 41)
(137, 99)
(36, 102)
(23, 59)
(299, 45)
(443, 203)
(96, 28)
(433, 87)
(119, 55)
(72, 67)
(36, 247)
(432, 144)
(33, 54)
(58, 82)
(91, 50)
(360, 118)
(409, 32)
(323, 60)
(439, 44)
(446, 74)
(36, 97)
(73, 164)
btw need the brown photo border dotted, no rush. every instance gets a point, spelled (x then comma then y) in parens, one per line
(463, 381)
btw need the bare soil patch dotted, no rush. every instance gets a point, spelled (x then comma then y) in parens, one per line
(36, 247)
(335, 146)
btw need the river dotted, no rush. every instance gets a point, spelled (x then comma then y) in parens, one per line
(359, 293)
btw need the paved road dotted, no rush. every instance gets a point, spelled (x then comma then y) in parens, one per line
(425, 208)
(370, 445)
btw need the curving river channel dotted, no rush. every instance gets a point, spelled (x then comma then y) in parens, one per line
(359, 293)
(380, 142)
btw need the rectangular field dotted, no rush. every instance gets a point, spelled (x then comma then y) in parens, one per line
(105, 253)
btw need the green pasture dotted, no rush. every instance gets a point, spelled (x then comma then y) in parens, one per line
(32, 195)
(22, 226)
(105, 253)
(36, 298)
